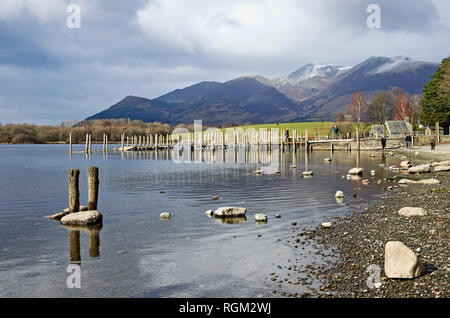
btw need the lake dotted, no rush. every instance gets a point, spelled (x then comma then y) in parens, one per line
(135, 253)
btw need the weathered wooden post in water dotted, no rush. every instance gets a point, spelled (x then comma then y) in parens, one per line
(74, 191)
(70, 144)
(93, 188)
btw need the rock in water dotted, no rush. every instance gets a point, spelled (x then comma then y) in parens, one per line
(339, 194)
(209, 213)
(327, 159)
(400, 261)
(408, 211)
(215, 197)
(307, 173)
(356, 171)
(420, 169)
(260, 217)
(165, 215)
(58, 216)
(230, 212)
(82, 218)
(441, 168)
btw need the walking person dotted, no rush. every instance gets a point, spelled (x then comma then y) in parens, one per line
(383, 142)
(408, 140)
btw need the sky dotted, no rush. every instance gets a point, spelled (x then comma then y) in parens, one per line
(51, 72)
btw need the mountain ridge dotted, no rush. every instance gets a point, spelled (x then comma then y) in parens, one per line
(315, 91)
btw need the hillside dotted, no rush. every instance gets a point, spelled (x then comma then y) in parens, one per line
(312, 92)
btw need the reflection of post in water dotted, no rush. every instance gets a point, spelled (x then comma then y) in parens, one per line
(358, 158)
(75, 256)
(94, 241)
(306, 161)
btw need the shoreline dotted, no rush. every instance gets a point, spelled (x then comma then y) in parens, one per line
(358, 239)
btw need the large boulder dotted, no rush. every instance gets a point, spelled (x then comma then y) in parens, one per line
(58, 216)
(82, 218)
(407, 181)
(441, 168)
(230, 212)
(409, 211)
(400, 261)
(429, 181)
(420, 169)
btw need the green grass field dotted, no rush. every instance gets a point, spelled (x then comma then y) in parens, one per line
(321, 128)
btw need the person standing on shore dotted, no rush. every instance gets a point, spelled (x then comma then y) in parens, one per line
(408, 141)
(433, 144)
(383, 142)
(287, 134)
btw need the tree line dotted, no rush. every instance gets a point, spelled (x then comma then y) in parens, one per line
(34, 134)
(395, 104)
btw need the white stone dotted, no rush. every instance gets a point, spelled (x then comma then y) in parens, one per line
(292, 166)
(327, 225)
(373, 172)
(209, 213)
(420, 169)
(401, 262)
(82, 218)
(307, 173)
(410, 211)
(405, 163)
(165, 215)
(356, 171)
(429, 181)
(260, 217)
(339, 194)
(441, 168)
(407, 181)
(230, 212)
(327, 159)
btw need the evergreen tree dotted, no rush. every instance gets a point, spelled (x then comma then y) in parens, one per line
(436, 97)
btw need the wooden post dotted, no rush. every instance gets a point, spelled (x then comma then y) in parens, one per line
(103, 142)
(70, 144)
(86, 148)
(357, 137)
(106, 143)
(93, 188)
(438, 137)
(306, 140)
(90, 143)
(74, 191)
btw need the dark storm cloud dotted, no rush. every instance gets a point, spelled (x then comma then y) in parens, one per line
(50, 73)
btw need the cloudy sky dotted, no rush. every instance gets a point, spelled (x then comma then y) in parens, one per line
(50, 72)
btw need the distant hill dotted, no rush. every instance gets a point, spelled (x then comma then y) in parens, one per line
(313, 92)
(240, 101)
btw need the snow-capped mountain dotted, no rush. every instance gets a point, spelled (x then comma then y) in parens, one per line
(309, 80)
(313, 92)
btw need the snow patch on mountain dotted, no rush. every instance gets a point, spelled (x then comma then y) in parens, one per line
(393, 64)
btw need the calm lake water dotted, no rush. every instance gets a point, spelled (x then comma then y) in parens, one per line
(139, 255)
